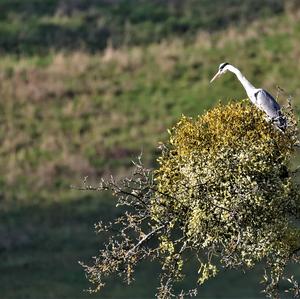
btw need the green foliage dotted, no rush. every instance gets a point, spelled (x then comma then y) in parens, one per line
(223, 191)
(225, 181)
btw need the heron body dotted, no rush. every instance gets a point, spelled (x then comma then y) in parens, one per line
(258, 96)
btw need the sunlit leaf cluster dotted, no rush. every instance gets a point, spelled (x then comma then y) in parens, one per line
(223, 194)
(225, 180)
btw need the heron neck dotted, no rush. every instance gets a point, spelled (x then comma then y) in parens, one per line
(247, 85)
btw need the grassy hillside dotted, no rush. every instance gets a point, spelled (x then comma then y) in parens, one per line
(66, 116)
(70, 114)
(36, 26)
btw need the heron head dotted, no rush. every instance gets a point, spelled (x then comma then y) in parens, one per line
(222, 70)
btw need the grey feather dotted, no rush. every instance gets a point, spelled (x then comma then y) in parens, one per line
(266, 102)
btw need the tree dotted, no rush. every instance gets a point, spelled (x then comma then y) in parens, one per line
(224, 192)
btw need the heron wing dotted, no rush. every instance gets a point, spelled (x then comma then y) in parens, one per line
(267, 103)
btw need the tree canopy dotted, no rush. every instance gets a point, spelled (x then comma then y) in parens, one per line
(224, 192)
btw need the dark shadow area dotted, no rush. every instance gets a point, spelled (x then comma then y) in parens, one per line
(40, 246)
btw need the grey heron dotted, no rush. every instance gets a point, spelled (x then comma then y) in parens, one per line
(258, 96)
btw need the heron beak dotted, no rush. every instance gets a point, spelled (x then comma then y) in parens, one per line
(215, 76)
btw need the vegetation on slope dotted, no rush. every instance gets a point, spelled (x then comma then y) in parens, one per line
(35, 26)
(69, 116)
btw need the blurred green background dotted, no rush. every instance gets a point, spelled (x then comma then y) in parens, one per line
(85, 87)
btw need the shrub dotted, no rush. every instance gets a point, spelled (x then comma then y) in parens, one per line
(224, 192)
